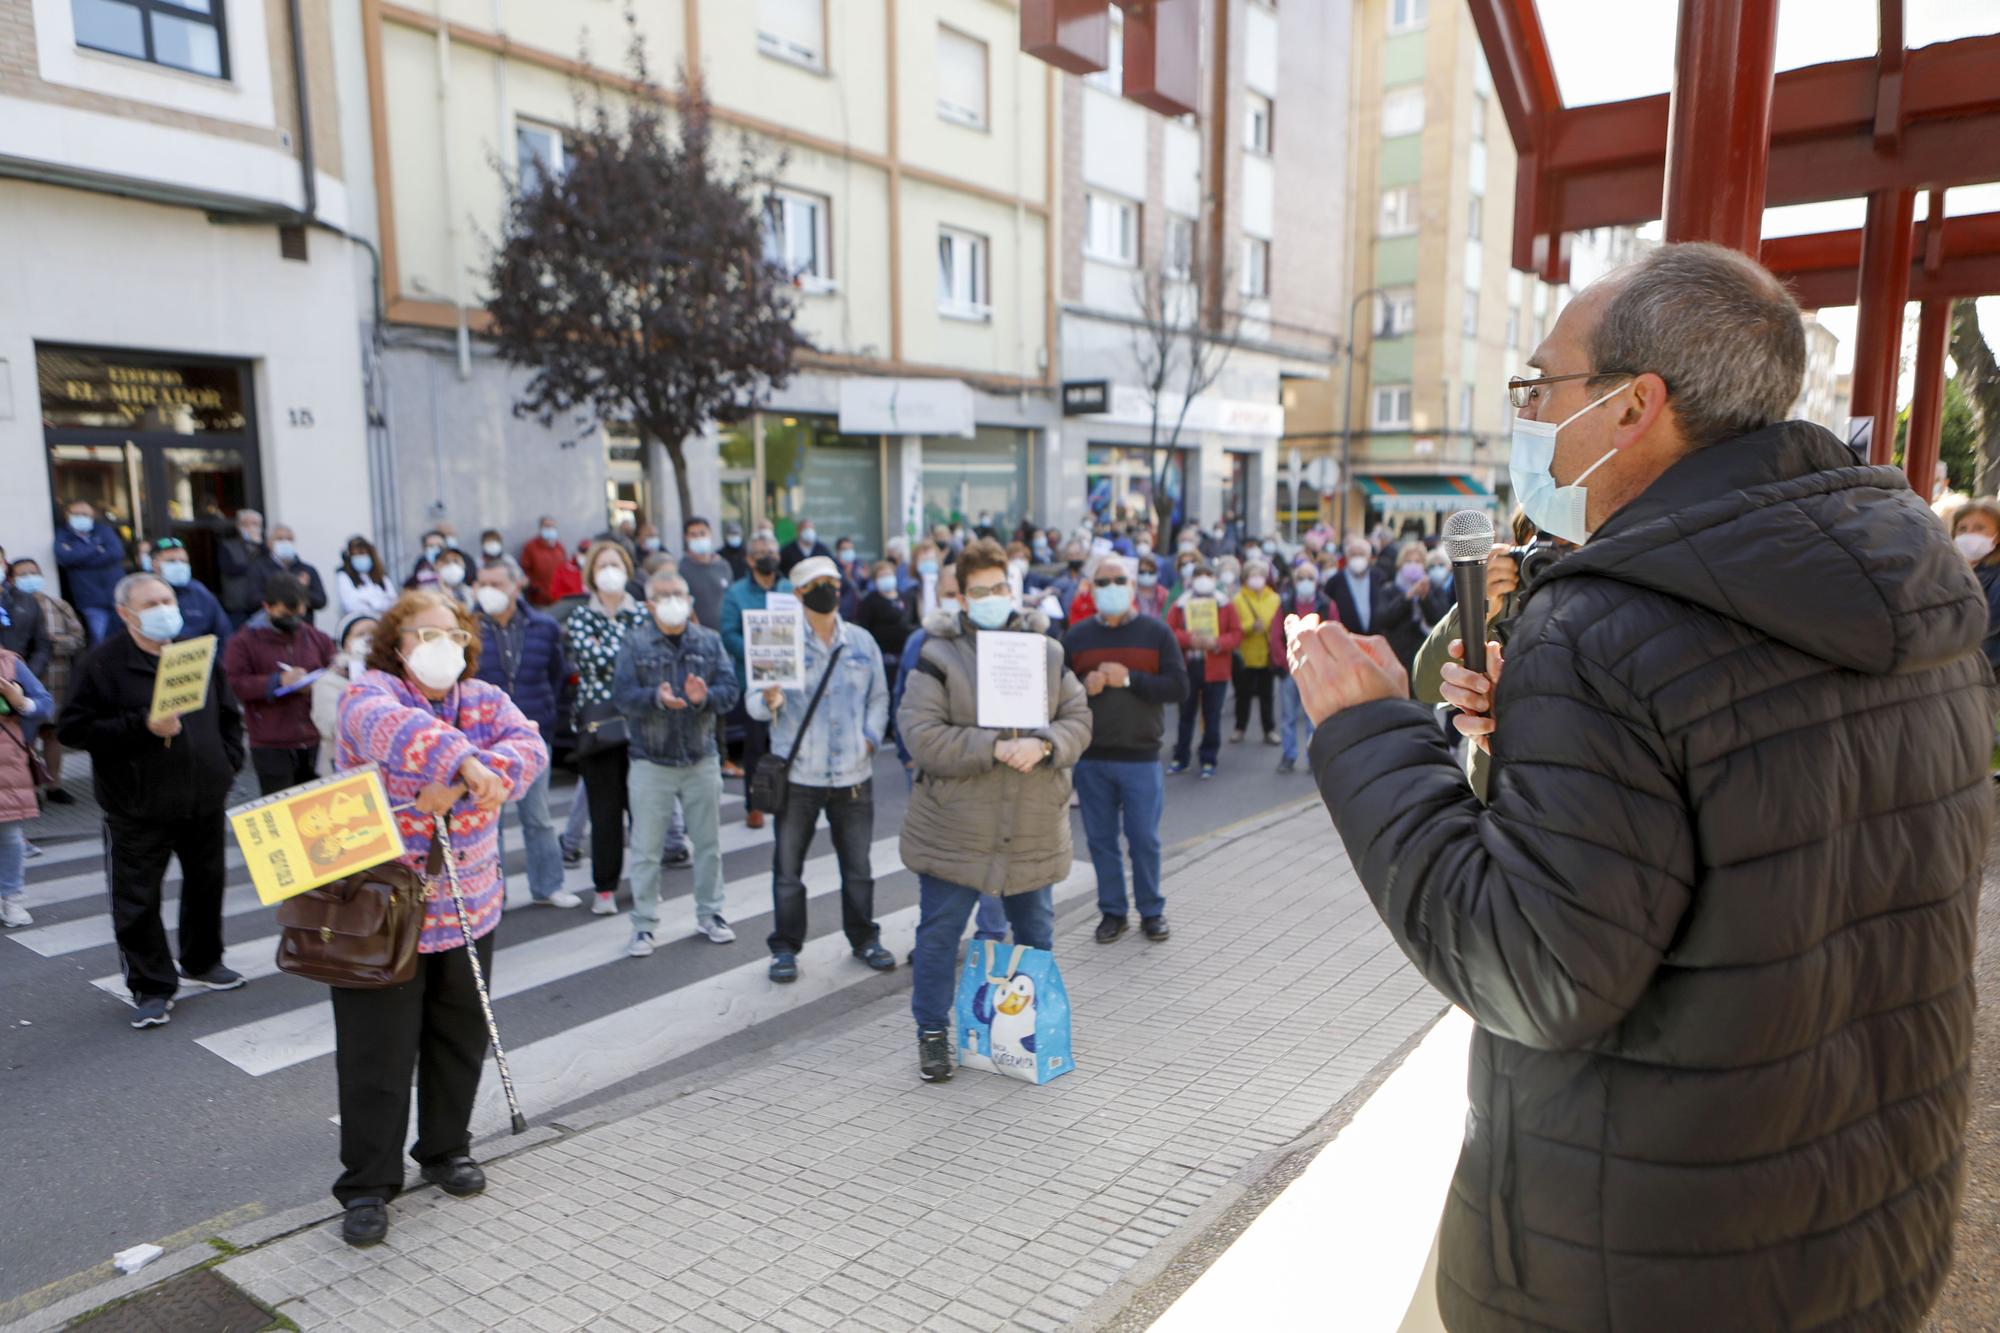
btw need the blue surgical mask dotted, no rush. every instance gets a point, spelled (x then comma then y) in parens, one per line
(990, 612)
(1439, 575)
(701, 546)
(30, 583)
(845, 555)
(81, 523)
(1149, 580)
(1041, 550)
(1559, 511)
(927, 566)
(178, 573)
(362, 562)
(1270, 548)
(808, 539)
(160, 623)
(146, 562)
(885, 584)
(283, 549)
(1114, 600)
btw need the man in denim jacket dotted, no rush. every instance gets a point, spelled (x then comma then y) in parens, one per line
(832, 769)
(672, 680)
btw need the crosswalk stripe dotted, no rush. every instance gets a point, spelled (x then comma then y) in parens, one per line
(578, 1061)
(282, 1040)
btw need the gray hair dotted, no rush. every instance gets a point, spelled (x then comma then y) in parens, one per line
(662, 576)
(508, 563)
(131, 583)
(1717, 327)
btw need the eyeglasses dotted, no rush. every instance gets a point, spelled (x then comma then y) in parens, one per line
(997, 590)
(1526, 393)
(431, 634)
(1117, 581)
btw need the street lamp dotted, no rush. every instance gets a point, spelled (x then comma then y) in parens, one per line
(1347, 408)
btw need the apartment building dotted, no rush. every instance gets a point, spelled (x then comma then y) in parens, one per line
(915, 211)
(182, 325)
(1247, 196)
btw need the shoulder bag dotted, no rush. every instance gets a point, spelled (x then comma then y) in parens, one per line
(772, 778)
(358, 932)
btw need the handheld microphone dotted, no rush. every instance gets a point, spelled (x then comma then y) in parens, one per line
(1468, 540)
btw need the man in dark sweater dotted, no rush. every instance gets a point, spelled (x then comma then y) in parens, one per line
(1131, 668)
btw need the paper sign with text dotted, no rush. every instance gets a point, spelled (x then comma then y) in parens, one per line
(774, 650)
(1204, 618)
(1013, 679)
(314, 834)
(181, 683)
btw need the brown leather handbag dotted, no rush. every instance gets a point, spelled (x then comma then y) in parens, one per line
(358, 932)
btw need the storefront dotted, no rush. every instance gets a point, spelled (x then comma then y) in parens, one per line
(780, 467)
(985, 481)
(1124, 482)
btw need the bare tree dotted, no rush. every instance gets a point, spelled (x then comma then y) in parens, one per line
(1979, 376)
(1180, 344)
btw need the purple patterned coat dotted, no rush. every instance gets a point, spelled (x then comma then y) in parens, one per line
(386, 722)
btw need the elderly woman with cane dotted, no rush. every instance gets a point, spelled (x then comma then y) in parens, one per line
(454, 747)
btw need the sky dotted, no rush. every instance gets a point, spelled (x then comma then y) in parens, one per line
(1600, 61)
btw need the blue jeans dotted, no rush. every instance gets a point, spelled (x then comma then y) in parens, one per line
(1139, 792)
(579, 820)
(538, 831)
(941, 913)
(989, 919)
(101, 621)
(1295, 728)
(13, 858)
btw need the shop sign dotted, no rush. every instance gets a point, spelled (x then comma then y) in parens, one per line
(905, 407)
(1086, 397)
(1128, 406)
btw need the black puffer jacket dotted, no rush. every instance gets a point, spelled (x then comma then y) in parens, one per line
(1717, 926)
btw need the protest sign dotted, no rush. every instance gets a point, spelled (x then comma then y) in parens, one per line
(180, 685)
(1013, 679)
(314, 834)
(774, 650)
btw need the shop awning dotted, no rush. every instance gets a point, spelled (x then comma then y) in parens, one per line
(1428, 491)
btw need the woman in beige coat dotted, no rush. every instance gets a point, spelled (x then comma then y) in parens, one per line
(989, 812)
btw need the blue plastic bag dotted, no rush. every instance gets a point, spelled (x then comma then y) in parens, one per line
(1013, 1013)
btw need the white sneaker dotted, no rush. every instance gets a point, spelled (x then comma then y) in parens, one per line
(641, 945)
(13, 914)
(717, 930)
(606, 905)
(560, 898)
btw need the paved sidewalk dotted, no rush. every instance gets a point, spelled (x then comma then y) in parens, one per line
(822, 1186)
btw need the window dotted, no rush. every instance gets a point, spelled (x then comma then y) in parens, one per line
(961, 73)
(539, 154)
(1403, 112)
(1392, 407)
(962, 276)
(793, 30)
(795, 238)
(1257, 123)
(1396, 312)
(1513, 326)
(1256, 267)
(186, 36)
(1111, 229)
(1408, 15)
(1180, 247)
(1111, 79)
(1475, 217)
(1468, 395)
(1470, 326)
(1479, 118)
(1399, 212)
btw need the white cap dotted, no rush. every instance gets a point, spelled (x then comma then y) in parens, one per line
(813, 567)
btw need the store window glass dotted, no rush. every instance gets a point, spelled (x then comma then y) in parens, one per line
(1123, 481)
(811, 469)
(982, 481)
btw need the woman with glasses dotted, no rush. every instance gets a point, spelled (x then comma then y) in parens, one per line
(594, 633)
(446, 744)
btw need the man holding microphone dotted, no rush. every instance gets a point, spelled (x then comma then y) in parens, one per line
(1716, 926)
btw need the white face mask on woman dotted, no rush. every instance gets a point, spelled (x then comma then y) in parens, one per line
(437, 665)
(610, 580)
(1974, 546)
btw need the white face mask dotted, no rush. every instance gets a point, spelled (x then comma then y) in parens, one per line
(451, 575)
(1559, 511)
(1255, 581)
(491, 600)
(1306, 589)
(1974, 546)
(1204, 586)
(437, 665)
(1358, 564)
(672, 611)
(493, 550)
(610, 580)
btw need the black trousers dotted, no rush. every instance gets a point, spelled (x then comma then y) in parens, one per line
(756, 744)
(431, 1026)
(603, 777)
(1254, 683)
(139, 852)
(851, 812)
(279, 769)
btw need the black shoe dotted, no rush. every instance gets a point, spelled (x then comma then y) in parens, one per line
(572, 856)
(677, 858)
(934, 1056)
(151, 1011)
(365, 1222)
(216, 978)
(456, 1176)
(1110, 928)
(1155, 927)
(877, 957)
(57, 796)
(1287, 766)
(785, 967)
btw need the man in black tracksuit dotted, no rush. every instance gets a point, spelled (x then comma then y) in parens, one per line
(163, 787)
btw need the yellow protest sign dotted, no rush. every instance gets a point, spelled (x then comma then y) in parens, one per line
(1204, 619)
(181, 684)
(315, 834)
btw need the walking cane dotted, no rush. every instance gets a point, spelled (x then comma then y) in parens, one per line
(441, 846)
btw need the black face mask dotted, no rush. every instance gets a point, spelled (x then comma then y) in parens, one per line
(821, 598)
(1075, 565)
(765, 564)
(284, 624)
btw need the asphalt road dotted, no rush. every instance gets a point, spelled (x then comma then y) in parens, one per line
(114, 1137)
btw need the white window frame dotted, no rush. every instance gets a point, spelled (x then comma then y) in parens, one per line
(1475, 217)
(791, 204)
(1111, 79)
(781, 47)
(1255, 284)
(1468, 398)
(1403, 111)
(974, 118)
(556, 162)
(1177, 259)
(1110, 229)
(1408, 15)
(1396, 312)
(1401, 220)
(1259, 124)
(1479, 107)
(1397, 398)
(1468, 325)
(965, 287)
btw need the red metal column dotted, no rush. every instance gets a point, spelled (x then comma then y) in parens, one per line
(1920, 451)
(1719, 121)
(1886, 243)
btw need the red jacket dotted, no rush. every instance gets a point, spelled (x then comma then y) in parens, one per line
(1217, 661)
(540, 561)
(251, 662)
